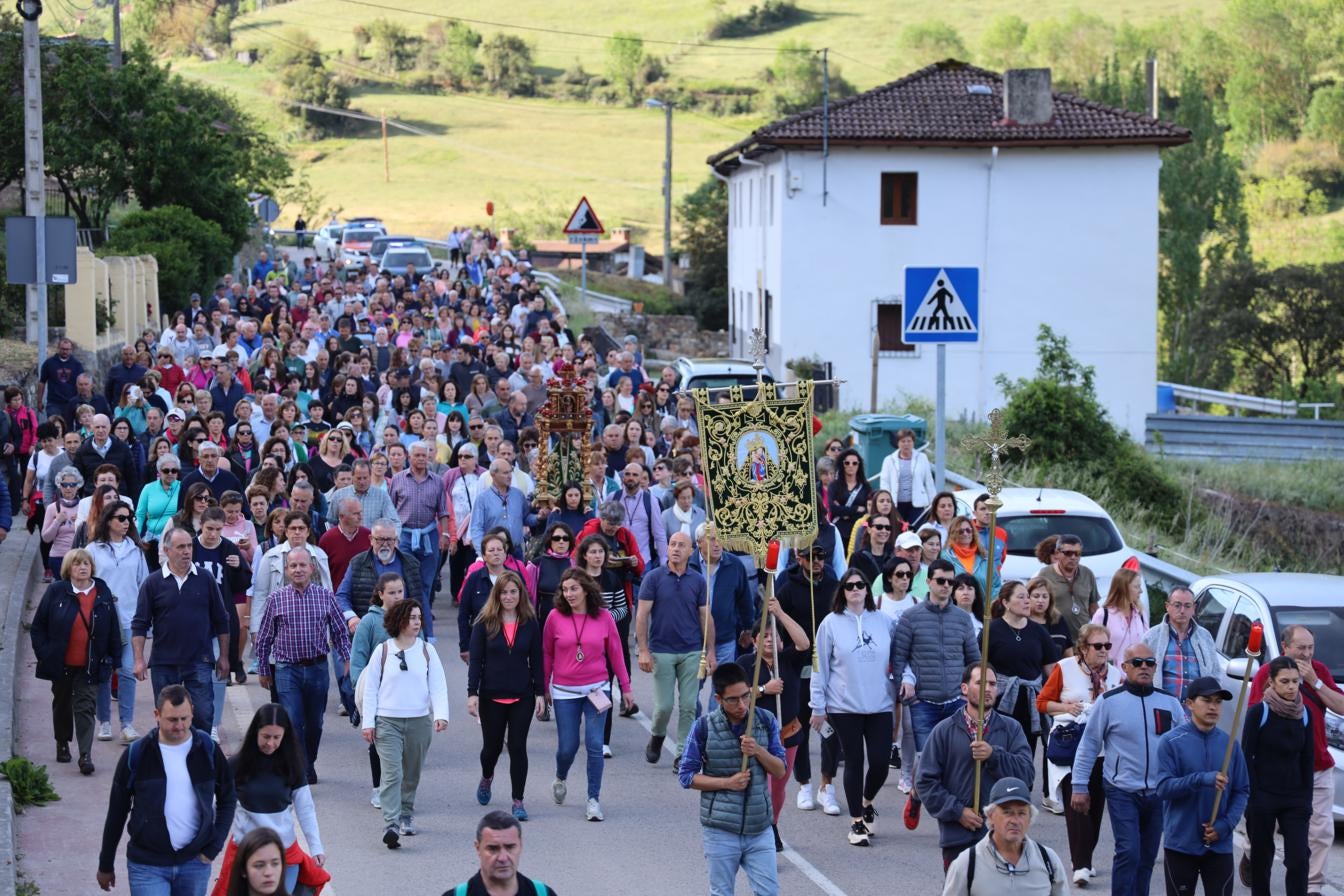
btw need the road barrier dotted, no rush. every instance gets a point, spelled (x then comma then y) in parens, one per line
(1200, 436)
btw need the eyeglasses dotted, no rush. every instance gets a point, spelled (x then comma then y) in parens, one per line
(734, 701)
(476, 426)
(965, 530)
(1180, 605)
(903, 574)
(401, 656)
(122, 518)
(1141, 661)
(855, 586)
(1101, 645)
(941, 580)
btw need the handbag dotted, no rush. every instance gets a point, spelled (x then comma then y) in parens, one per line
(1063, 743)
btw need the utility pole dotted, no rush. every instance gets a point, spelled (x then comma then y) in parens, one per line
(116, 34)
(825, 121)
(667, 199)
(34, 175)
(387, 166)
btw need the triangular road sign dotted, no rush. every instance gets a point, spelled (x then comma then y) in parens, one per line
(941, 310)
(584, 219)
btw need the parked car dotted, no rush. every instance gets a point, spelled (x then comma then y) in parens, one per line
(396, 258)
(327, 241)
(716, 373)
(1029, 515)
(357, 240)
(383, 243)
(1228, 605)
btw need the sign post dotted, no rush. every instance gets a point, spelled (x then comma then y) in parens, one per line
(942, 305)
(583, 228)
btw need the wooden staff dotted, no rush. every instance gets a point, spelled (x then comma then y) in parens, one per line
(1252, 652)
(770, 565)
(993, 504)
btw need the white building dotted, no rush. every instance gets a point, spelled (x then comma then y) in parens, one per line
(1056, 203)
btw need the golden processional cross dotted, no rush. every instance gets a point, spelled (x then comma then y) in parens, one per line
(996, 442)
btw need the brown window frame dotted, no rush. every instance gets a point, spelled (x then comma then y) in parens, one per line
(899, 189)
(885, 348)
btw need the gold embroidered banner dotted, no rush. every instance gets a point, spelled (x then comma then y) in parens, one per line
(757, 459)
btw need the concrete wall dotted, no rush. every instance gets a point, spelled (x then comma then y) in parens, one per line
(127, 285)
(1066, 237)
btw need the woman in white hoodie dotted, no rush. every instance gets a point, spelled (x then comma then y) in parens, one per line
(119, 560)
(853, 693)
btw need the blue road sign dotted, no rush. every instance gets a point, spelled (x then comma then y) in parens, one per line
(941, 305)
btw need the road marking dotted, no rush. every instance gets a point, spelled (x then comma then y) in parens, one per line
(810, 871)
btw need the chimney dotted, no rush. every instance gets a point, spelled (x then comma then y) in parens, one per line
(1026, 96)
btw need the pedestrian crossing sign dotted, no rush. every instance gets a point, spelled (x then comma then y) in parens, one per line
(942, 304)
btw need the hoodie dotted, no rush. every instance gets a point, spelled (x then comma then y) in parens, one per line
(1126, 722)
(854, 653)
(1188, 761)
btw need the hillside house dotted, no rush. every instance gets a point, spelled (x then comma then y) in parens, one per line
(1053, 197)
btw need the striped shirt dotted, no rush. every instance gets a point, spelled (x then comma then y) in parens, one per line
(420, 502)
(298, 625)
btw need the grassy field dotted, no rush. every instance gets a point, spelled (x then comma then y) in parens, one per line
(534, 158)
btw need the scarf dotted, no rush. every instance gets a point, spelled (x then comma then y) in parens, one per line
(1282, 707)
(1098, 678)
(967, 555)
(684, 517)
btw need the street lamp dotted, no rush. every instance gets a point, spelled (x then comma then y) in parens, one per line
(667, 190)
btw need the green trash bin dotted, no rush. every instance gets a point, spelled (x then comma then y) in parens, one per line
(874, 435)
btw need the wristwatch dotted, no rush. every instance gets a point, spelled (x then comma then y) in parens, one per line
(1320, 683)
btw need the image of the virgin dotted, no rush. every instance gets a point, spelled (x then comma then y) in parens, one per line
(757, 454)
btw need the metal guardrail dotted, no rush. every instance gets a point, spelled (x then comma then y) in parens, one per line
(1199, 436)
(1239, 402)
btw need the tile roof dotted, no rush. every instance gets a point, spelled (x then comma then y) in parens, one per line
(934, 106)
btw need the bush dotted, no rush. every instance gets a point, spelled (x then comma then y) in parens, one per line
(191, 252)
(1283, 197)
(771, 15)
(29, 783)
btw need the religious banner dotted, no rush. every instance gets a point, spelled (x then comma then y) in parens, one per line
(757, 458)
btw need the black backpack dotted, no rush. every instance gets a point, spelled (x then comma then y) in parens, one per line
(1045, 860)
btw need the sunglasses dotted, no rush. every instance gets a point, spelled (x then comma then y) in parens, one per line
(201, 498)
(122, 518)
(555, 538)
(1139, 662)
(901, 575)
(1071, 553)
(1101, 645)
(881, 528)
(941, 580)
(401, 656)
(855, 586)
(476, 426)
(171, 471)
(69, 485)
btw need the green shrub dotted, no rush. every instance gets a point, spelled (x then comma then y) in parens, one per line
(29, 783)
(191, 251)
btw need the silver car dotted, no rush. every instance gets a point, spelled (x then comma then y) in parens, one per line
(1227, 606)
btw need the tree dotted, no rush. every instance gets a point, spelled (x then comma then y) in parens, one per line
(625, 57)
(304, 78)
(1201, 227)
(1325, 115)
(1277, 47)
(703, 218)
(928, 42)
(507, 63)
(1002, 44)
(1074, 47)
(394, 48)
(191, 252)
(456, 59)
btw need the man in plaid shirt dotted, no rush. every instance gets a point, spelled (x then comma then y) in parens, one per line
(300, 621)
(1184, 650)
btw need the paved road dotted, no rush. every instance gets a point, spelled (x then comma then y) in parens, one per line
(650, 841)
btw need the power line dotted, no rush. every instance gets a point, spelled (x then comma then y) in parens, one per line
(875, 68)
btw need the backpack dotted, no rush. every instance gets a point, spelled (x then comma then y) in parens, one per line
(382, 664)
(461, 889)
(1045, 859)
(1264, 716)
(134, 751)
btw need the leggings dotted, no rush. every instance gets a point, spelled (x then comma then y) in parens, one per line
(857, 732)
(1184, 871)
(622, 629)
(831, 750)
(517, 719)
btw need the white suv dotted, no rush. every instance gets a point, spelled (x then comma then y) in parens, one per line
(1029, 515)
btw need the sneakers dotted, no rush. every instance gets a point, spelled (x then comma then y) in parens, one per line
(870, 818)
(1244, 870)
(483, 791)
(214, 733)
(1082, 876)
(912, 809)
(342, 711)
(375, 800)
(905, 785)
(826, 796)
(779, 844)
(1050, 804)
(558, 791)
(895, 760)
(408, 828)
(858, 834)
(518, 811)
(392, 837)
(85, 764)
(654, 749)
(594, 811)
(606, 751)
(129, 735)
(805, 801)
(104, 730)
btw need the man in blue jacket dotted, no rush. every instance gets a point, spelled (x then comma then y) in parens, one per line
(1188, 761)
(1126, 724)
(731, 596)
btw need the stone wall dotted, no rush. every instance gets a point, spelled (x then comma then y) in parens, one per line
(667, 334)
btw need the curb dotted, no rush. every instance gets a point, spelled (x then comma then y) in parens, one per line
(18, 567)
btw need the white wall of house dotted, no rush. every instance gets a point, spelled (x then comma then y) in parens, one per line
(1064, 236)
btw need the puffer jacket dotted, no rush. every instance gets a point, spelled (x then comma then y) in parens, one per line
(938, 643)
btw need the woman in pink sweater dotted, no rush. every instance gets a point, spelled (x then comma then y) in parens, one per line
(579, 644)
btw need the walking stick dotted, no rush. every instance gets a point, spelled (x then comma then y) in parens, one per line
(993, 504)
(771, 564)
(1252, 652)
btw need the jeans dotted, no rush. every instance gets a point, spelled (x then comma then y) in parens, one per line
(567, 716)
(198, 679)
(1136, 823)
(725, 852)
(188, 879)
(344, 687)
(429, 563)
(924, 715)
(623, 630)
(303, 694)
(125, 686)
(402, 745)
(675, 674)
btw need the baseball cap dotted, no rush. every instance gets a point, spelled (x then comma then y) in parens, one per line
(346, 424)
(1207, 686)
(907, 540)
(175, 414)
(814, 550)
(1009, 790)
(403, 371)
(632, 339)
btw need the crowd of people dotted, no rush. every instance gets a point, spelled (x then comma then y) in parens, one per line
(307, 475)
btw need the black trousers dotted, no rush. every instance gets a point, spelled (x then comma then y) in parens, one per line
(1293, 818)
(501, 722)
(830, 749)
(457, 566)
(375, 765)
(235, 635)
(868, 733)
(73, 699)
(1184, 872)
(622, 629)
(1084, 827)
